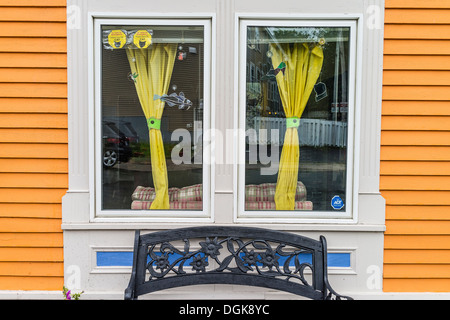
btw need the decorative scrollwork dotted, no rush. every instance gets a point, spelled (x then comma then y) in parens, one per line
(233, 255)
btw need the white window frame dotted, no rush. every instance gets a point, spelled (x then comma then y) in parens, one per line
(350, 213)
(97, 214)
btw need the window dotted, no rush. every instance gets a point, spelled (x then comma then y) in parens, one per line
(296, 157)
(151, 107)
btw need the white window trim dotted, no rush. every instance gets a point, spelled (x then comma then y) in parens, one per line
(95, 167)
(350, 216)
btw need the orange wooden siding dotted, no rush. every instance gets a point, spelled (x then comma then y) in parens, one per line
(415, 146)
(33, 143)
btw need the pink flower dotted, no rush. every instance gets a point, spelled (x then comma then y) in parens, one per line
(68, 297)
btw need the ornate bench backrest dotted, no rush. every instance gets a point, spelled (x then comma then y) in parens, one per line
(229, 255)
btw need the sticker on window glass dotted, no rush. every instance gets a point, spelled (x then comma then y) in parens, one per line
(142, 39)
(117, 39)
(337, 203)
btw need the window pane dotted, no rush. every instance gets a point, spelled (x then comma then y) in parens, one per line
(296, 74)
(152, 80)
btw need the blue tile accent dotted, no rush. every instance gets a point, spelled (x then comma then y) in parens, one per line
(114, 259)
(125, 259)
(339, 260)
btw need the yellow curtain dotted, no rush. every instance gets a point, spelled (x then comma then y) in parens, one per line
(295, 84)
(151, 70)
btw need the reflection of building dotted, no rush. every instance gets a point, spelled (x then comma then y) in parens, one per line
(263, 96)
(262, 93)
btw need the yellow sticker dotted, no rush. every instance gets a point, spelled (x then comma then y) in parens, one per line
(142, 39)
(117, 39)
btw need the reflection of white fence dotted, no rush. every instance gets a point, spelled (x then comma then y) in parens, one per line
(312, 132)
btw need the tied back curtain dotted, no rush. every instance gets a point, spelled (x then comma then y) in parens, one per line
(295, 84)
(152, 69)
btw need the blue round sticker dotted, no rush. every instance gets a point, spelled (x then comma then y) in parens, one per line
(337, 203)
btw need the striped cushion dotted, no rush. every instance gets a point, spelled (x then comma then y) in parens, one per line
(257, 197)
(197, 205)
(174, 205)
(253, 193)
(190, 193)
(266, 192)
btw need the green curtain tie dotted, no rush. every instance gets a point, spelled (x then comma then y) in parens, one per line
(292, 122)
(154, 123)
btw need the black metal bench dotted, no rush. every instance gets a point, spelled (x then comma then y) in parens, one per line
(230, 255)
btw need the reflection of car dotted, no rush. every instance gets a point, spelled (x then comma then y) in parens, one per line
(127, 128)
(116, 146)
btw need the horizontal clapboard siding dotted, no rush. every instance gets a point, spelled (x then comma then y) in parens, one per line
(33, 3)
(415, 146)
(31, 210)
(33, 143)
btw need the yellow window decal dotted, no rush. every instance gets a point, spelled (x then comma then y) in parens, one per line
(142, 39)
(117, 39)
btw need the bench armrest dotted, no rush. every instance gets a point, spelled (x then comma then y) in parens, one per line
(332, 295)
(130, 290)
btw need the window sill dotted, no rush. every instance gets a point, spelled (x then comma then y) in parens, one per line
(164, 226)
